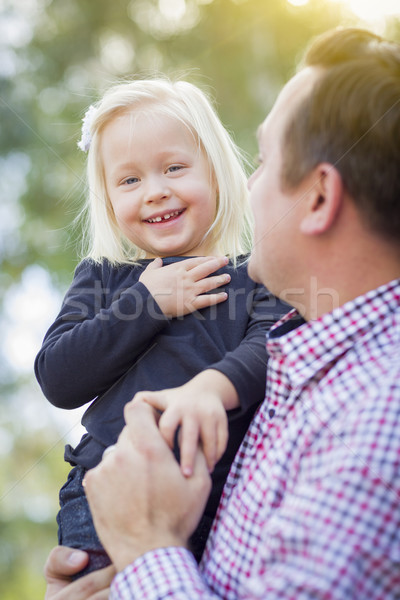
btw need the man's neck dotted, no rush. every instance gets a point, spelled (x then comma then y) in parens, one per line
(358, 273)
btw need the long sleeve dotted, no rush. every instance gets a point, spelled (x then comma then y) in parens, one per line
(316, 521)
(311, 505)
(246, 366)
(161, 574)
(97, 335)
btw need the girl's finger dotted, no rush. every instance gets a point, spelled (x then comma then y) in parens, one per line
(168, 424)
(207, 267)
(222, 437)
(209, 434)
(205, 300)
(157, 263)
(189, 440)
(211, 283)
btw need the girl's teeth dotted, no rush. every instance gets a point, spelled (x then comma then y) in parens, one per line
(164, 218)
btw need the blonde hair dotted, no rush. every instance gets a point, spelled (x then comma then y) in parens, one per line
(230, 233)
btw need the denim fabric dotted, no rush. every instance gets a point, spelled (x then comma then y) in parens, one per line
(75, 524)
(76, 528)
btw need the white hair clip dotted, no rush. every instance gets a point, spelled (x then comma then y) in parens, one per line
(84, 142)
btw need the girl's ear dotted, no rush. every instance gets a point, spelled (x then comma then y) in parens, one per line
(324, 200)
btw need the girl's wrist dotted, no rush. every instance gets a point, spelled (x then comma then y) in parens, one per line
(221, 386)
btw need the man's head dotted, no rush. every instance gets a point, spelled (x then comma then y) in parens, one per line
(338, 118)
(352, 120)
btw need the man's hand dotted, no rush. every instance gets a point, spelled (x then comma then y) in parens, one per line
(182, 287)
(199, 408)
(138, 496)
(64, 562)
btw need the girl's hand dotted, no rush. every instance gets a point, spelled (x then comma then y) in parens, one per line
(199, 408)
(137, 494)
(202, 419)
(182, 288)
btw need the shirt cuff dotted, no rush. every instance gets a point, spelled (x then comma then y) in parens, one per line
(162, 573)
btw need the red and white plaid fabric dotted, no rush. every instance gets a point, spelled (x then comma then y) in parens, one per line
(311, 508)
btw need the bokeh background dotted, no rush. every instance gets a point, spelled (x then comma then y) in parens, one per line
(56, 57)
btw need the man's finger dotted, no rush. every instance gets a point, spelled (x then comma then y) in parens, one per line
(155, 399)
(142, 428)
(94, 586)
(63, 562)
(135, 411)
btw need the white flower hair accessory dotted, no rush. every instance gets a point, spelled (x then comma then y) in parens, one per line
(86, 138)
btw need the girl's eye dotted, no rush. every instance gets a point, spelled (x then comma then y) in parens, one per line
(131, 180)
(174, 168)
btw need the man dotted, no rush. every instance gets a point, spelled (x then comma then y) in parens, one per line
(311, 508)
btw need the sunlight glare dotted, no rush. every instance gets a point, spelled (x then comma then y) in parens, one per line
(298, 2)
(371, 11)
(172, 9)
(29, 308)
(367, 10)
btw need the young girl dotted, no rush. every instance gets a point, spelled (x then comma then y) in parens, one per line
(163, 294)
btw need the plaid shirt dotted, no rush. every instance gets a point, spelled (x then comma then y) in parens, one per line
(311, 508)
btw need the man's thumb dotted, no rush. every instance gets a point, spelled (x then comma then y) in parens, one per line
(63, 562)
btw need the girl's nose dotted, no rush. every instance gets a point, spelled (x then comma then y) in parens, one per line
(156, 190)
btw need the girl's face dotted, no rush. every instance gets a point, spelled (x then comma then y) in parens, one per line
(159, 184)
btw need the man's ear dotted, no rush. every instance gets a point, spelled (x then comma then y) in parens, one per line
(324, 200)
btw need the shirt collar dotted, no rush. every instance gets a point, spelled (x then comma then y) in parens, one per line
(308, 347)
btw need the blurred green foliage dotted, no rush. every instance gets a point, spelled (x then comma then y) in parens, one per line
(56, 57)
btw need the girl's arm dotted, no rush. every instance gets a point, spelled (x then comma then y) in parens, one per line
(246, 365)
(95, 338)
(236, 383)
(101, 331)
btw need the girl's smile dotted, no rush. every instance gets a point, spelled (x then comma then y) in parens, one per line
(165, 216)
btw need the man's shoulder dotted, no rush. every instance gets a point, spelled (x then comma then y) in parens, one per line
(362, 387)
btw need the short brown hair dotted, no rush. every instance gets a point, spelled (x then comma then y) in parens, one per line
(351, 119)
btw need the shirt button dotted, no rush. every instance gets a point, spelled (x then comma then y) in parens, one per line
(271, 412)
